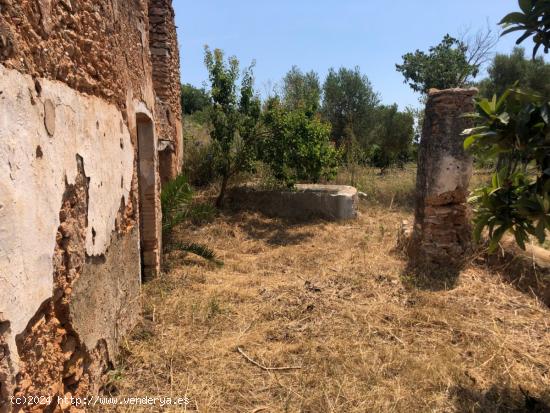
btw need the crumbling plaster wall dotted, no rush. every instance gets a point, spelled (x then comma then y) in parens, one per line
(42, 140)
(36, 165)
(73, 76)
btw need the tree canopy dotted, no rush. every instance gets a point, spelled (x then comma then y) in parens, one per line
(297, 146)
(445, 66)
(515, 129)
(193, 99)
(348, 104)
(301, 90)
(392, 136)
(505, 70)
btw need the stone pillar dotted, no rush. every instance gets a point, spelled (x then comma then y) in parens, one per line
(163, 44)
(441, 235)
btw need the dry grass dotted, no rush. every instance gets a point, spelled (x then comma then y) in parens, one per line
(395, 187)
(332, 299)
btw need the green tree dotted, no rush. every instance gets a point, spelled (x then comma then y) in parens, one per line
(193, 99)
(392, 137)
(297, 145)
(301, 90)
(445, 66)
(505, 70)
(348, 104)
(234, 115)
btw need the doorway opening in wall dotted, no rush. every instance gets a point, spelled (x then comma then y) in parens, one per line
(165, 163)
(149, 237)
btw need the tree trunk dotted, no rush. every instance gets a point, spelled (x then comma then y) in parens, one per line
(221, 196)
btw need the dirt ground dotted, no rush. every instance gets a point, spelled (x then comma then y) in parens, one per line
(331, 307)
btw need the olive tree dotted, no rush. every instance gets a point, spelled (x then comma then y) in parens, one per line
(349, 102)
(301, 90)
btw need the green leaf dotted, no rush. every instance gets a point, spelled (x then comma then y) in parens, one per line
(496, 236)
(540, 231)
(495, 181)
(471, 116)
(520, 237)
(515, 17)
(480, 224)
(503, 98)
(471, 131)
(527, 34)
(485, 106)
(525, 5)
(469, 141)
(513, 29)
(200, 250)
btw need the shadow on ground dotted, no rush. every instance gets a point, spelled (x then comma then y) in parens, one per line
(276, 231)
(498, 399)
(430, 278)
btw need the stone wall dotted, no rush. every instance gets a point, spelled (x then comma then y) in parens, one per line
(441, 234)
(166, 65)
(75, 75)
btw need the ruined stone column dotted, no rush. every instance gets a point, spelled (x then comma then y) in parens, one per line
(163, 44)
(441, 236)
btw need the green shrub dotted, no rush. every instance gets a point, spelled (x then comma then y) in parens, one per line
(514, 131)
(296, 146)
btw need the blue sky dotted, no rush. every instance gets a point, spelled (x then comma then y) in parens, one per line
(317, 35)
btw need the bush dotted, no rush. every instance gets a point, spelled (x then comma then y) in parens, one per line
(513, 131)
(297, 147)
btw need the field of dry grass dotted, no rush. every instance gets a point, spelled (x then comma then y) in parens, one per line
(332, 304)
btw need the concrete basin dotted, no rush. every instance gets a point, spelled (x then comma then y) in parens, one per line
(305, 201)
